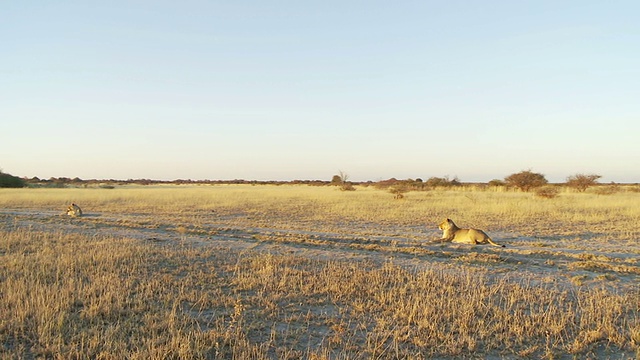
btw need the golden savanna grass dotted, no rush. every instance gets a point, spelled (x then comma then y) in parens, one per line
(267, 272)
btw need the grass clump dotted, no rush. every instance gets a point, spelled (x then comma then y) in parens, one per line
(547, 192)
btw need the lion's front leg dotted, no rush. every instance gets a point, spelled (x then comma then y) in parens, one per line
(437, 240)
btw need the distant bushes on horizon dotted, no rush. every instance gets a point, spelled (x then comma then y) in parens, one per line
(526, 181)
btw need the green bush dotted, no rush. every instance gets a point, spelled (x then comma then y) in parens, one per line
(10, 181)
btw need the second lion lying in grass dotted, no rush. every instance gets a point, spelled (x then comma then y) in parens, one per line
(74, 210)
(451, 232)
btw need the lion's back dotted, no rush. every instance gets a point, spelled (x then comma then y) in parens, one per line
(470, 235)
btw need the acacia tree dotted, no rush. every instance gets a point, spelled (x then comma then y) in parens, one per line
(582, 182)
(526, 180)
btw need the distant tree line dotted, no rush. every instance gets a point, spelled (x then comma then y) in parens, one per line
(64, 182)
(525, 181)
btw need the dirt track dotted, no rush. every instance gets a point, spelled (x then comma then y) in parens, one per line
(538, 259)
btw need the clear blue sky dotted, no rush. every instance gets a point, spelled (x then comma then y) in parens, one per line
(283, 90)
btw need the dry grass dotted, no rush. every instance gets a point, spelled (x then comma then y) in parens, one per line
(74, 291)
(74, 296)
(278, 204)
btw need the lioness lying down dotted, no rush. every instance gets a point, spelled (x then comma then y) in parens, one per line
(451, 232)
(74, 210)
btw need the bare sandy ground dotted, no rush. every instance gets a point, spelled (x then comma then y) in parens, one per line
(550, 259)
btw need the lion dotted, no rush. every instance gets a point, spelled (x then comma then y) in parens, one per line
(74, 210)
(451, 232)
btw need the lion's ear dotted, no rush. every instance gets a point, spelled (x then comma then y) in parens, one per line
(448, 219)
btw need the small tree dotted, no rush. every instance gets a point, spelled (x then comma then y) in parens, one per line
(336, 180)
(526, 180)
(341, 180)
(582, 182)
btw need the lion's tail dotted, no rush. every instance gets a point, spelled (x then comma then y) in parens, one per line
(494, 243)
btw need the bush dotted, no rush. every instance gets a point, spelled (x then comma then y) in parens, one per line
(547, 192)
(341, 180)
(406, 185)
(442, 182)
(582, 182)
(10, 181)
(398, 191)
(336, 180)
(347, 186)
(526, 180)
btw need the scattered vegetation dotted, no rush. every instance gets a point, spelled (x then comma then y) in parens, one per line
(417, 185)
(523, 181)
(67, 182)
(434, 182)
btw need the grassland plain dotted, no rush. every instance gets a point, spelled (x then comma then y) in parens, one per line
(291, 272)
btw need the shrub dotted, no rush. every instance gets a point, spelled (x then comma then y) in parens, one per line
(341, 180)
(547, 192)
(10, 181)
(336, 180)
(347, 186)
(526, 180)
(398, 191)
(406, 185)
(442, 182)
(581, 182)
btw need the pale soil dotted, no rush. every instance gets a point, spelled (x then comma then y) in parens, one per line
(555, 259)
